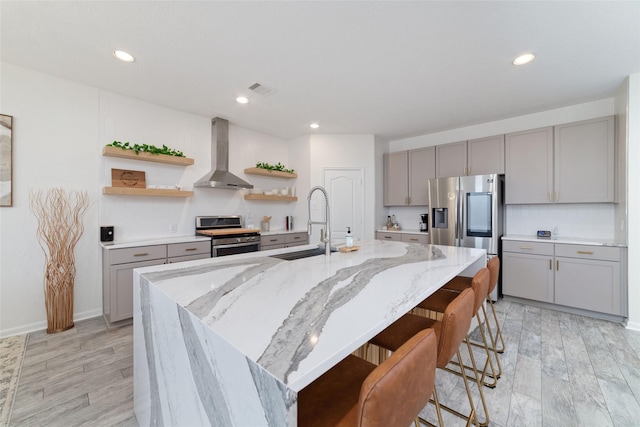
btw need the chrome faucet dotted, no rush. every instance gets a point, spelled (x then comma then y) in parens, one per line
(324, 237)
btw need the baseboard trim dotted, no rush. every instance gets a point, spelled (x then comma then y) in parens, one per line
(38, 326)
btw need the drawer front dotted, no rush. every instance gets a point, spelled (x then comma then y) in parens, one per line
(296, 238)
(276, 239)
(140, 253)
(415, 238)
(604, 253)
(269, 247)
(193, 248)
(524, 247)
(395, 237)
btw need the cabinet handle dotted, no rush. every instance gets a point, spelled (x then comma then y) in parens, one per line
(469, 170)
(557, 195)
(273, 240)
(142, 254)
(551, 200)
(408, 200)
(413, 240)
(585, 252)
(297, 238)
(526, 247)
(557, 265)
(550, 266)
(191, 249)
(387, 237)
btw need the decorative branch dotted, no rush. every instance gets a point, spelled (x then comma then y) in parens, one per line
(60, 226)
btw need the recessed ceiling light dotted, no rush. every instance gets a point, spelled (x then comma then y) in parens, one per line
(314, 126)
(123, 56)
(242, 100)
(524, 59)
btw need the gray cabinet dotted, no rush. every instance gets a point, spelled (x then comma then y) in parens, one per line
(394, 237)
(485, 155)
(571, 163)
(586, 277)
(403, 237)
(406, 174)
(118, 266)
(529, 166)
(451, 159)
(295, 239)
(284, 240)
(117, 277)
(584, 156)
(527, 270)
(474, 157)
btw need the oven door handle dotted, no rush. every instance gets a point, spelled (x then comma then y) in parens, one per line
(234, 245)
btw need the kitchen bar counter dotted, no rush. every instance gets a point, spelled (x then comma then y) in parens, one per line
(231, 340)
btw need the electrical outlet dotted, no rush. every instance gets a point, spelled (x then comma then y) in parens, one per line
(174, 228)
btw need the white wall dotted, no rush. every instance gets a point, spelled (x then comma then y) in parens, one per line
(633, 197)
(60, 128)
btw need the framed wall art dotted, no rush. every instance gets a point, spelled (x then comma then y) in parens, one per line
(6, 168)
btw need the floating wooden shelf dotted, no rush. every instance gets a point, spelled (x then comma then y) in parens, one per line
(162, 192)
(147, 157)
(263, 197)
(267, 172)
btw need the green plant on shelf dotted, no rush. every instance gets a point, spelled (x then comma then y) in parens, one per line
(146, 148)
(277, 167)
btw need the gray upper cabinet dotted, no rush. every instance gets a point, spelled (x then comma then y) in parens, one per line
(571, 163)
(474, 157)
(529, 166)
(584, 155)
(406, 175)
(451, 159)
(485, 155)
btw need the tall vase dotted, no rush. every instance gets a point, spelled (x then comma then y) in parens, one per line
(59, 215)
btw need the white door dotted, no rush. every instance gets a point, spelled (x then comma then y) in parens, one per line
(346, 197)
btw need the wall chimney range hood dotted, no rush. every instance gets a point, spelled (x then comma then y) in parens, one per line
(220, 177)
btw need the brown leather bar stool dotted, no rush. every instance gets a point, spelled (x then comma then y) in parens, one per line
(358, 393)
(460, 283)
(451, 331)
(440, 299)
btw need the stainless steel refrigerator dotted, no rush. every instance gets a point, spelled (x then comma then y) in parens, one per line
(468, 211)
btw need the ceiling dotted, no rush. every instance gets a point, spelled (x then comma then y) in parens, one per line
(393, 69)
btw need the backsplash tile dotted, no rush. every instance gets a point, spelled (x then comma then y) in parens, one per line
(579, 220)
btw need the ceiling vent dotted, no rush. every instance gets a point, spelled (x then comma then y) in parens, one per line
(261, 89)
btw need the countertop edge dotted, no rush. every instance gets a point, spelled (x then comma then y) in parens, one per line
(566, 240)
(151, 242)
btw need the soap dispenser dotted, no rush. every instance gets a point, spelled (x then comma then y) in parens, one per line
(348, 238)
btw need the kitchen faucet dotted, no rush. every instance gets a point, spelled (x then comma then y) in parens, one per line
(324, 238)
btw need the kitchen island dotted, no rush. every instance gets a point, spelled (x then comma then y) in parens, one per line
(230, 341)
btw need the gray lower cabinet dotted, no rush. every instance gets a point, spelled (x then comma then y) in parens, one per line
(527, 270)
(284, 240)
(588, 277)
(118, 266)
(579, 276)
(403, 237)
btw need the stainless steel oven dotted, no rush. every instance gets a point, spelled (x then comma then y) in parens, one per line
(228, 237)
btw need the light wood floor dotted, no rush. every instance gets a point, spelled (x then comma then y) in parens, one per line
(558, 370)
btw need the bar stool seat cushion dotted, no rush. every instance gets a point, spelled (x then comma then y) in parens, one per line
(358, 393)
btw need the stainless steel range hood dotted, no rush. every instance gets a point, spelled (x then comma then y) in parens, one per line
(220, 177)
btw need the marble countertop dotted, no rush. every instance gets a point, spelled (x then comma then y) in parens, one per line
(156, 241)
(565, 239)
(296, 319)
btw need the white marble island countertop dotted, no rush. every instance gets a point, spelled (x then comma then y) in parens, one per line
(261, 329)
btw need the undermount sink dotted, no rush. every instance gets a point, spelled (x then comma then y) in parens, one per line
(291, 256)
